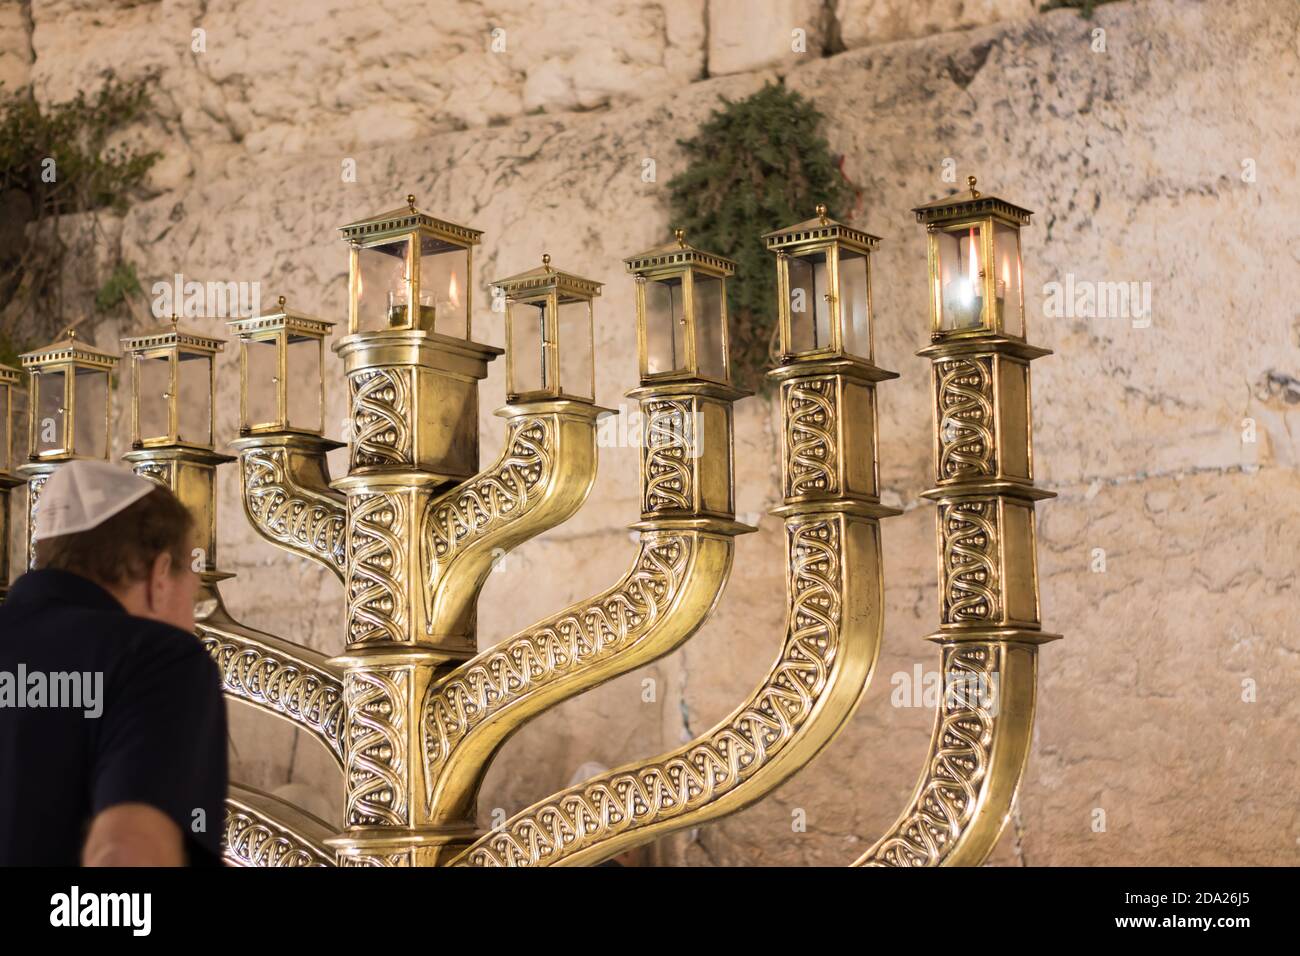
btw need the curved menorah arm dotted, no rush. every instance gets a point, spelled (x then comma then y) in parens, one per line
(990, 626)
(285, 487)
(825, 663)
(265, 831)
(544, 474)
(277, 677)
(665, 596)
(977, 756)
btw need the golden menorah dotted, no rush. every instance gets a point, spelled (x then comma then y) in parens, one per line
(412, 710)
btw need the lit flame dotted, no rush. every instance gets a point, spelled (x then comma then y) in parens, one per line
(974, 260)
(453, 292)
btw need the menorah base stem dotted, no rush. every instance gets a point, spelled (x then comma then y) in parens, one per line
(390, 846)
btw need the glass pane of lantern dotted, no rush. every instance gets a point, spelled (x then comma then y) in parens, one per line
(1008, 289)
(304, 395)
(960, 287)
(195, 398)
(380, 286)
(153, 389)
(6, 440)
(854, 304)
(263, 382)
(709, 348)
(49, 412)
(444, 279)
(90, 393)
(810, 312)
(576, 357)
(665, 333)
(527, 357)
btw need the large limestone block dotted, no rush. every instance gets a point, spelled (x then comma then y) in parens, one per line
(758, 34)
(866, 22)
(15, 47)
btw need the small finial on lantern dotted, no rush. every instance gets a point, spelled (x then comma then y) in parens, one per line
(970, 182)
(280, 302)
(72, 333)
(821, 212)
(410, 201)
(546, 261)
(680, 236)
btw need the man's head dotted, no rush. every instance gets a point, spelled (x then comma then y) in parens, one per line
(128, 535)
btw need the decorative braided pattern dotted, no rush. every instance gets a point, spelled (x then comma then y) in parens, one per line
(377, 585)
(380, 404)
(669, 440)
(965, 404)
(34, 486)
(712, 765)
(578, 638)
(959, 761)
(494, 498)
(250, 840)
(292, 517)
(372, 860)
(969, 534)
(307, 695)
(376, 747)
(810, 445)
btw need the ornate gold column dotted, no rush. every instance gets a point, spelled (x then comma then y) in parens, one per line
(990, 624)
(10, 381)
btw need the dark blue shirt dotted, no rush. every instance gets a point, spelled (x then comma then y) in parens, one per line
(153, 732)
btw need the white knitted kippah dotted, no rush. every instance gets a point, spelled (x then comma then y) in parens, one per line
(84, 494)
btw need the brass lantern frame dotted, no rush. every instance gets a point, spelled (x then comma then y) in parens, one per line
(280, 328)
(69, 357)
(412, 226)
(954, 214)
(553, 287)
(680, 260)
(822, 235)
(172, 343)
(10, 379)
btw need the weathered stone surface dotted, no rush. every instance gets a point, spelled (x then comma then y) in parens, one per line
(868, 22)
(15, 46)
(759, 34)
(1166, 159)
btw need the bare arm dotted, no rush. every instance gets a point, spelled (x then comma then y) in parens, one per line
(133, 834)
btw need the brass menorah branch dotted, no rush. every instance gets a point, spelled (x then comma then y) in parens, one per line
(412, 711)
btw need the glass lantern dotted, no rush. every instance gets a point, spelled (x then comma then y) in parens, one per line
(408, 270)
(550, 349)
(824, 283)
(681, 311)
(281, 372)
(10, 384)
(976, 283)
(68, 411)
(173, 387)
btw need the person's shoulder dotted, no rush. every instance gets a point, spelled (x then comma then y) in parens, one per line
(168, 646)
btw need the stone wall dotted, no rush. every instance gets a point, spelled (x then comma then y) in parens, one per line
(1167, 158)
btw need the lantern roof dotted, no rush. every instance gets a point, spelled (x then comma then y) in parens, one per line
(971, 204)
(408, 219)
(679, 253)
(545, 278)
(173, 335)
(282, 318)
(69, 350)
(9, 376)
(820, 228)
